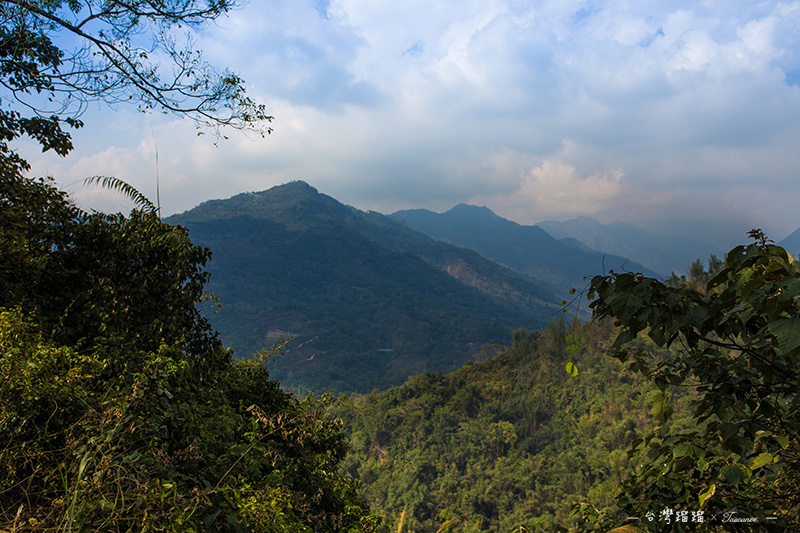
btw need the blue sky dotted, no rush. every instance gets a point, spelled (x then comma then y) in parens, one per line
(678, 116)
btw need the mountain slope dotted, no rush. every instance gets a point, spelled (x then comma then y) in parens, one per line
(506, 444)
(661, 253)
(367, 301)
(527, 249)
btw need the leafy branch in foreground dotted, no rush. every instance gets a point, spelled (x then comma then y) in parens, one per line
(57, 56)
(736, 347)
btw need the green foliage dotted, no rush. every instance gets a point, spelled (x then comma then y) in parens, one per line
(110, 182)
(119, 408)
(736, 349)
(506, 444)
(99, 279)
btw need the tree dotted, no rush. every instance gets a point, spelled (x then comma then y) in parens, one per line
(734, 350)
(698, 277)
(110, 61)
(119, 408)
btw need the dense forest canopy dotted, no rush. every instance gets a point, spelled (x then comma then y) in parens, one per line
(697, 424)
(511, 443)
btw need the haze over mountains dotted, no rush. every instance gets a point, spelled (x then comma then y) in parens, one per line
(661, 253)
(527, 249)
(369, 299)
(792, 243)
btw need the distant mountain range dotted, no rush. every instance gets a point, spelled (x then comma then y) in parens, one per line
(530, 250)
(367, 300)
(370, 299)
(663, 254)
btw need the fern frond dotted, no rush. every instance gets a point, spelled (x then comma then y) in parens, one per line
(115, 184)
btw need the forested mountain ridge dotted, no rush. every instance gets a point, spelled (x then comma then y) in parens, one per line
(511, 443)
(353, 289)
(527, 249)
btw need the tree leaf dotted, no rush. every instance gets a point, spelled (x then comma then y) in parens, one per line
(732, 473)
(572, 369)
(761, 460)
(706, 494)
(790, 290)
(662, 409)
(682, 450)
(786, 332)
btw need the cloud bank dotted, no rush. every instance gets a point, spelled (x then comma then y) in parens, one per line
(662, 114)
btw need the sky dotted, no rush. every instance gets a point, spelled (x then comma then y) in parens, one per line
(674, 116)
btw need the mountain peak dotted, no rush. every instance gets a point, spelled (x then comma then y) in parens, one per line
(530, 250)
(289, 202)
(292, 187)
(470, 208)
(473, 213)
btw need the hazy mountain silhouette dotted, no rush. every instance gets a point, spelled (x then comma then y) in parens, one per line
(530, 250)
(661, 253)
(792, 243)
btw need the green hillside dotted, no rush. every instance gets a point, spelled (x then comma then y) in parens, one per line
(507, 444)
(353, 290)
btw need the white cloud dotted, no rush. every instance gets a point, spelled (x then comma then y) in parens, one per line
(388, 104)
(556, 189)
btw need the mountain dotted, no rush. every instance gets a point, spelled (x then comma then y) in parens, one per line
(792, 243)
(661, 253)
(529, 250)
(366, 300)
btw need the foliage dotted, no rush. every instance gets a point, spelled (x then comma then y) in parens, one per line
(505, 444)
(736, 348)
(119, 409)
(110, 61)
